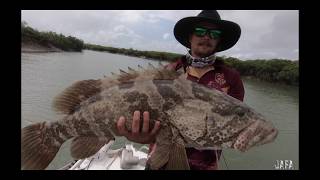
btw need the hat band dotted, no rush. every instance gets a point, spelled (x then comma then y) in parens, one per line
(200, 62)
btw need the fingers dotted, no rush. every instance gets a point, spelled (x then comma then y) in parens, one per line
(155, 128)
(146, 118)
(138, 135)
(136, 122)
(121, 126)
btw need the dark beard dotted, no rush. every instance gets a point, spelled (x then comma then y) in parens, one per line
(205, 43)
(203, 55)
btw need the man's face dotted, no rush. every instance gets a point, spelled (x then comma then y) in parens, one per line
(205, 45)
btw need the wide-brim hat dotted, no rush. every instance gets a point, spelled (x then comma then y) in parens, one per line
(230, 30)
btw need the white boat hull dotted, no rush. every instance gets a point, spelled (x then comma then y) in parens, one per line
(126, 158)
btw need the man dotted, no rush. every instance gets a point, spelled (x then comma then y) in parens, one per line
(204, 35)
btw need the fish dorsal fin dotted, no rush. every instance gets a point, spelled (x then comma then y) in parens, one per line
(151, 66)
(126, 77)
(123, 72)
(70, 98)
(139, 66)
(165, 74)
(83, 147)
(161, 65)
(132, 70)
(158, 73)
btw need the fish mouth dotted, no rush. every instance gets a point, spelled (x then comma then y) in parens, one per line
(272, 135)
(258, 134)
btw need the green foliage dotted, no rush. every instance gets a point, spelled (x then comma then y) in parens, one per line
(166, 56)
(48, 39)
(274, 70)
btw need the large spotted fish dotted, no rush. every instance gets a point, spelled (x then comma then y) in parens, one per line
(190, 114)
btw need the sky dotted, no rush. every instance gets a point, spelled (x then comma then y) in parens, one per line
(265, 34)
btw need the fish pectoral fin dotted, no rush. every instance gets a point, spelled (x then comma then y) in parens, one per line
(178, 159)
(171, 157)
(83, 146)
(71, 98)
(160, 156)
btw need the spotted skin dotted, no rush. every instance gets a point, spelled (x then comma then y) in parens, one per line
(190, 113)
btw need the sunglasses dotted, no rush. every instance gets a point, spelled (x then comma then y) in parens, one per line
(213, 33)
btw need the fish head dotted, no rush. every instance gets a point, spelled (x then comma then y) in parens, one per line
(252, 128)
(258, 133)
(239, 127)
(229, 122)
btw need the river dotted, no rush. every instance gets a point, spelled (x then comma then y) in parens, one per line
(44, 75)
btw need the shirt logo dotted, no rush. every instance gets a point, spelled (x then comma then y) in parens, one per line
(219, 83)
(219, 78)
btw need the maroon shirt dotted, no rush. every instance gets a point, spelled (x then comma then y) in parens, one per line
(224, 79)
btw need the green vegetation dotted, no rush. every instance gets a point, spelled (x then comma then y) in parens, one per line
(165, 56)
(47, 39)
(274, 70)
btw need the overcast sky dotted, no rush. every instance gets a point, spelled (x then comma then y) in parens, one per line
(265, 34)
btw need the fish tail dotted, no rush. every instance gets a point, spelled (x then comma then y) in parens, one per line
(38, 146)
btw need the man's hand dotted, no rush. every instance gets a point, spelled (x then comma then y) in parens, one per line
(136, 135)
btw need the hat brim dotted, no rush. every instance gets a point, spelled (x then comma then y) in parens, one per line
(230, 31)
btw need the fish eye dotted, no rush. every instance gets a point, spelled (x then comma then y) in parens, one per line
(240, 111)
(241, 114)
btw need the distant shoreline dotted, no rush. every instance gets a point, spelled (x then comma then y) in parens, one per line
(254, 78)
(37, 48)
(272, 70)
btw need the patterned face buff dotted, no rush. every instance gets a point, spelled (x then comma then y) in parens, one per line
(200, 62)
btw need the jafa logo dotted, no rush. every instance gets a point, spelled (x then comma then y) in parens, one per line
(283, 165)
